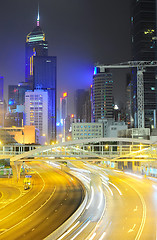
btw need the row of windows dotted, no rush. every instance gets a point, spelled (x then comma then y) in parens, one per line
(99, 126)
(89, 134)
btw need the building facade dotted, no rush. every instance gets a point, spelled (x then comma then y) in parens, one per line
(87, 130)
(143, 28)
(36, 110)
(102, 96)
(40, 72)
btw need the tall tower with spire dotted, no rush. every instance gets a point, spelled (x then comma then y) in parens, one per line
(40, 71)
(36, 45)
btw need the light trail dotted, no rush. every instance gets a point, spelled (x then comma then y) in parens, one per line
(92, 195)
(154, 186)
(134, 175)
(108, 188)
(102, 236)
(68, 231)
(116, 188)
(80, 230)
(101, 199)
(91, 238)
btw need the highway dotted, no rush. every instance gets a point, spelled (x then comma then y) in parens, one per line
(126, 210)
(35, 213)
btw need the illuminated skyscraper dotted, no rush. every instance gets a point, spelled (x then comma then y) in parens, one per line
(102, 96)
(36, 45)
(143, 26)
(36, 109)
(40, 72)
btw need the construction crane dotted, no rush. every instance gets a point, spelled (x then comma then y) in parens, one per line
(140, 66)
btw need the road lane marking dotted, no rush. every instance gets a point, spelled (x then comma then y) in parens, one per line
(29, 215)
(13, 199)
(132, 229)
(144, 212)
(27, 201)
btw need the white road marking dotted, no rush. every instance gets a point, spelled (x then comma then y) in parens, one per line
(135, 209)
(132, 229)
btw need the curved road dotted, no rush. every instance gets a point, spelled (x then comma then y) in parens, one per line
(34, 214)
(130, 207)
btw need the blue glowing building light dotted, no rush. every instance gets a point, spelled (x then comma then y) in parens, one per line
(58, 124)
(95, 70)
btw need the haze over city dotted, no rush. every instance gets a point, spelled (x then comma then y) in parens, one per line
(78, 120)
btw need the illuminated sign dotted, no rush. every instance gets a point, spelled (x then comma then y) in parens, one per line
(65, 94)
(72, 115)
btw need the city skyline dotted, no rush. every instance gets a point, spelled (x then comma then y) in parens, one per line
(79, 34)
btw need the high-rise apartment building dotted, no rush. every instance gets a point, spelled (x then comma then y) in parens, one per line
(40, 72)
(36, 109)
(143, 26)
(102, 96)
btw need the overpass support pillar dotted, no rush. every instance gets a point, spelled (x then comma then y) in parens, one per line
(16, 169)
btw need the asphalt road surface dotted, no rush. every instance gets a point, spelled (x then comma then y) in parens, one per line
(35, 213)
(129, 211)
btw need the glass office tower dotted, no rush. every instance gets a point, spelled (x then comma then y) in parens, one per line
(143, 28)
(40, 72)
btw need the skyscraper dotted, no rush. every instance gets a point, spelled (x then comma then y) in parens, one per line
(143, 26)
(40, 72)
(36, 109)
(102, 97)
(36, 45)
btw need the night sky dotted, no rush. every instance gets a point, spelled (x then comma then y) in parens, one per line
(79, 32)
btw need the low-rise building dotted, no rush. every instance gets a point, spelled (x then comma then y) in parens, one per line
(87, 130)
(102, 128)
(22, 135)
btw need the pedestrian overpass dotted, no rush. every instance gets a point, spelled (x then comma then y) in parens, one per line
(96, 149)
